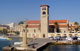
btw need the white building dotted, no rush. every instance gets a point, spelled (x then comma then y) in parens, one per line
(11, 25)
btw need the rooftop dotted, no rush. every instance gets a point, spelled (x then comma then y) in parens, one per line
(44, 5)
(50, 21)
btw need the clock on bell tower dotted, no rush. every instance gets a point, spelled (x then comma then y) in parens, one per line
(44, 20)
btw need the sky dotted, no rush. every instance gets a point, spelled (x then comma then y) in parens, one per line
(22, 10)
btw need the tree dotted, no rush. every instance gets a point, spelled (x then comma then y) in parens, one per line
(4, 31)
(21, 22)
(76, 24)
(17, 32)
(56, 29)
(39, 27)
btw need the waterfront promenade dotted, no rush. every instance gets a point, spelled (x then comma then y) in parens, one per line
(40, 43)
(34, 44)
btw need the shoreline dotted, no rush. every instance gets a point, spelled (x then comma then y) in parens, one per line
(43, 46)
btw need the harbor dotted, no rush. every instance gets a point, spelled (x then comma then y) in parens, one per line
(37, 25)
(41, 43)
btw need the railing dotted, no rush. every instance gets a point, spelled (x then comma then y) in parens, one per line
(62, 34)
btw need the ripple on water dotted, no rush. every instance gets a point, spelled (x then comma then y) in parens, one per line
(4, 43)
(63, 48)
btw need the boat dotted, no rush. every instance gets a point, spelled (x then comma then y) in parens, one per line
(4, 38)
(17, 43)
(69, 38)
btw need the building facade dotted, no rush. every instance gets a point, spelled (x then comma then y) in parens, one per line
(44, 27)
(4, 27)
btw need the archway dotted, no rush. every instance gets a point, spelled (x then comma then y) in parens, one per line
(43, 35)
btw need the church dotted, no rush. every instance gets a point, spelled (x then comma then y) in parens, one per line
(45, 27)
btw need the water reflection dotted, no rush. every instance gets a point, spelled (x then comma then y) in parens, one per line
(4, 43)
(63, 48)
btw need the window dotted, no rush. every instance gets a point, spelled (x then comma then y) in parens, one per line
(34, 30)
(64, 31)
(44, 13)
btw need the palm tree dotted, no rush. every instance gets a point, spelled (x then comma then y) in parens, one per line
(56, 29)
(39, 27)
(76, 24)
(4, 31)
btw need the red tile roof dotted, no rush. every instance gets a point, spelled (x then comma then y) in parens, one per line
(33, 22)
(44, 5)
(30, 26)
(58, 21)
(50, 21)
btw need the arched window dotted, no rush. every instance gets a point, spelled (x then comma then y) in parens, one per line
(44, 13)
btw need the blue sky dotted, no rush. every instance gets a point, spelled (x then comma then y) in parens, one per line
(21, 10)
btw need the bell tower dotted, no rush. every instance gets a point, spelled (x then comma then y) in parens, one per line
(44, 20)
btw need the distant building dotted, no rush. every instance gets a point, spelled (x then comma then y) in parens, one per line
(71, 24)
(45, 26)
(18, 28)
(35, 25)
(4, 27)
(11, 25)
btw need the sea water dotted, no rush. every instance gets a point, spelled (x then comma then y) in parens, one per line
(62, 48)
(4, 43)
